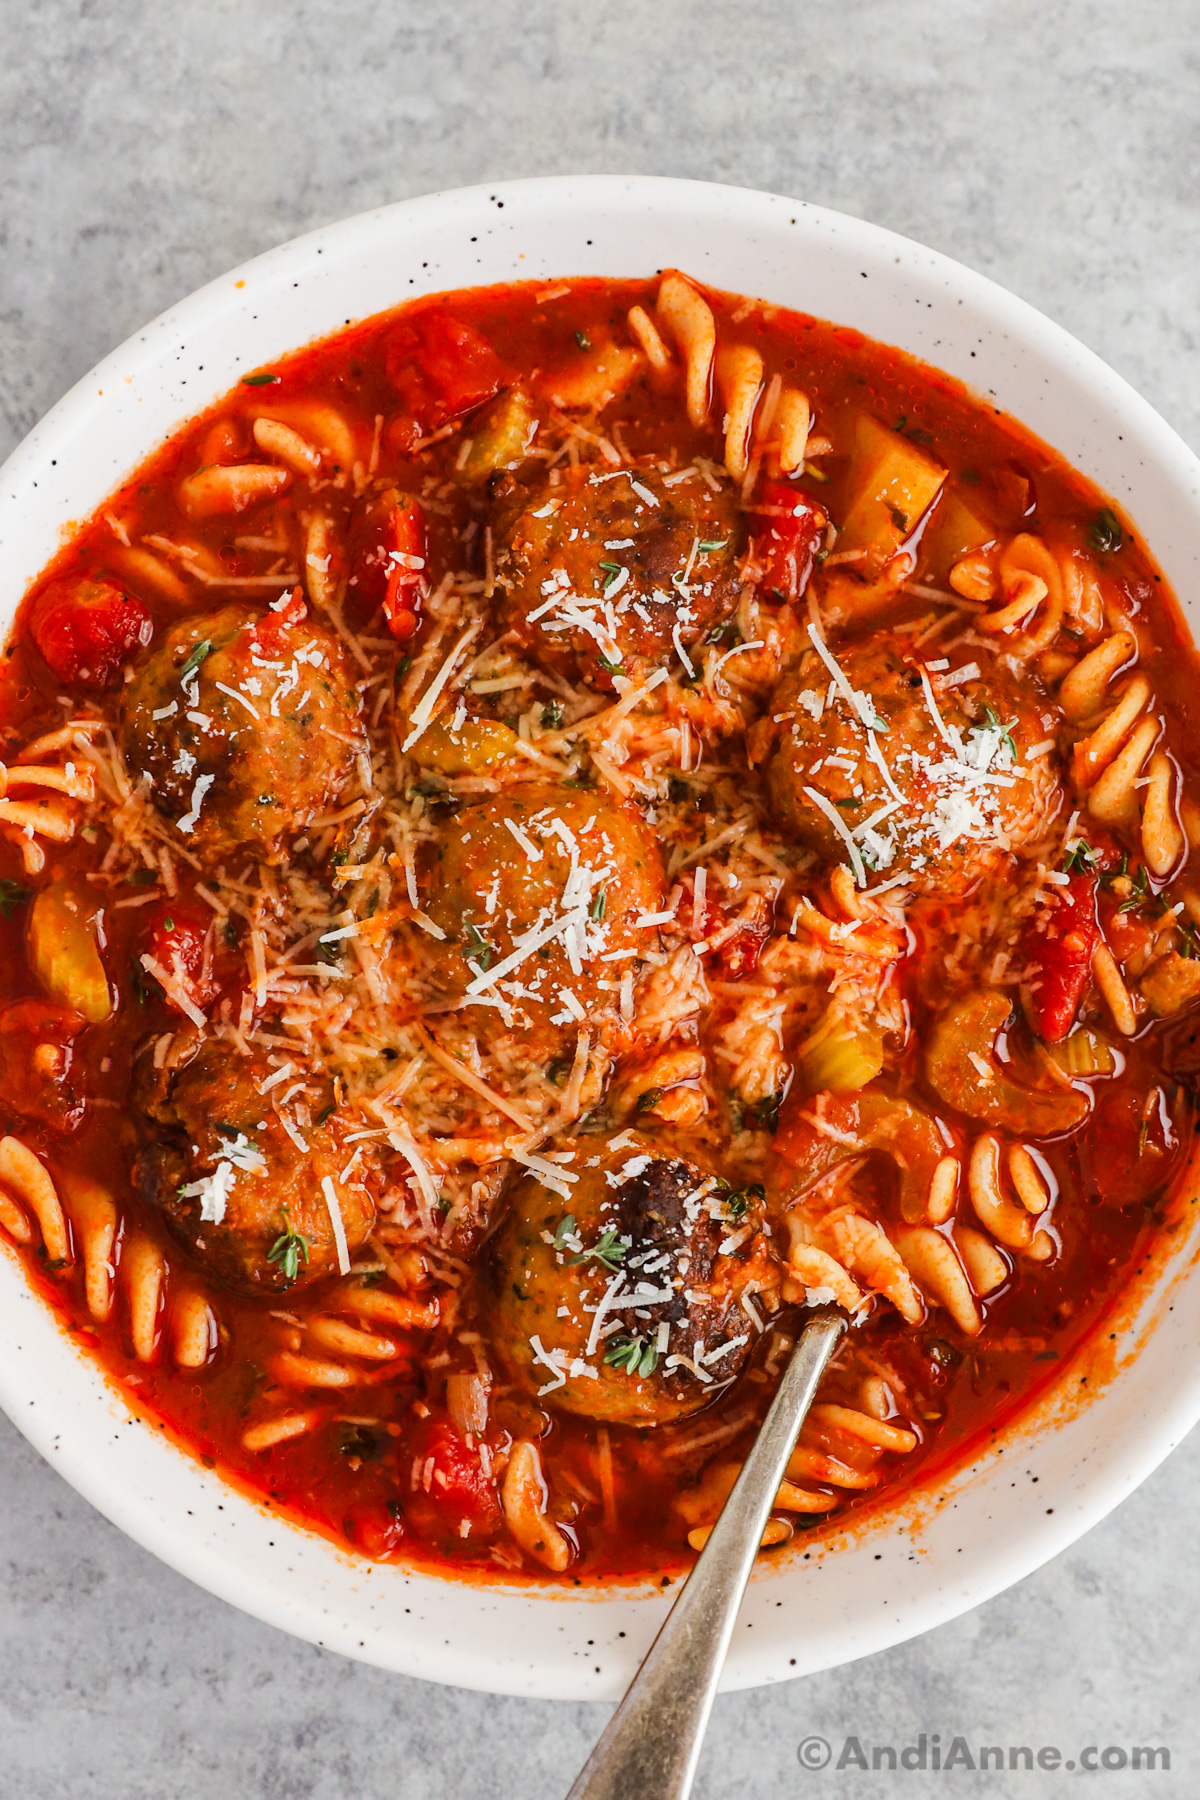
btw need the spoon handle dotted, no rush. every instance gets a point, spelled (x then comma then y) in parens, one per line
(651, 1745)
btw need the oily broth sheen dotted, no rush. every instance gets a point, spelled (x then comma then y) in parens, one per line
(349, 1478)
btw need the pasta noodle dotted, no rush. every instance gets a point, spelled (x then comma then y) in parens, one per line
(27, 1177)
(1108, 762)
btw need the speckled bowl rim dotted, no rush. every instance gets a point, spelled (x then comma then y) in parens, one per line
(1034, 1491)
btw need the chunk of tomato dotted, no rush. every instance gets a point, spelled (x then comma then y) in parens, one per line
(176, 942)
(36, 1053)
(379, 1528)
(787, 539)
(1059, 942)
(739, 954)
(441, 368)
(1130, 1147)
(449, 1498)
(85, 629)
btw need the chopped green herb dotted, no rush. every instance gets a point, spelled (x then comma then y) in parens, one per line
(1105, 533)
(608, 1249)
(1006, 736)
(478, 949)
(403, 666)
(288, 1251)
(328, 953)
(137, 981)
(566, 1229)
(650, 1099)
(634, 1355)
(738, 1204)
(263, 378)
(766, 1111)
(358, 1440)
(709, 544)
(583, 340)
(1080, 859)
(1141, 891)
(899, 518)
(614, 668)
(12, 895)
(552, 715)
(142, 878)
(195, 657)
(596, 909)
(326, 1112)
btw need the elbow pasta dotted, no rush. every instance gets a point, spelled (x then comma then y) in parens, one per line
(1120, 742)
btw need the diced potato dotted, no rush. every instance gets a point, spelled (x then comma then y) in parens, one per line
(65, 955)
(893, 483)
(504, 435)
(593, 379)
(954, 531)
(1172, 984)
(477, 745)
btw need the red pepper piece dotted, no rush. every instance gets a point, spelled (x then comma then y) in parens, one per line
(271, 632)
(1059, 942)
(407, 585)
(441, 368)
(787, 539)
(85, 629)
(388, 555)
(177, 932)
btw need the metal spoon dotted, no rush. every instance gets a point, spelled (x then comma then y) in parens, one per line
(651, 1745)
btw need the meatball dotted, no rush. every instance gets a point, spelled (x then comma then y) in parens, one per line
(534, 889)
(613, 571)
(930, 775)
(247, 725)
(640, 1236)
(235, 1188)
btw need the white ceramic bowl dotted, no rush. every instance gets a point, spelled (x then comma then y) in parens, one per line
(1034, 1491)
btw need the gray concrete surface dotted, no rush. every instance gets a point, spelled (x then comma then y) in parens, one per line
(145, 148)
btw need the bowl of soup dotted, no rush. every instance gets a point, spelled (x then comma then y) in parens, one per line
(589, 765)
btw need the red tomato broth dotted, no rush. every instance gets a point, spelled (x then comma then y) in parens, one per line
(352, 1476)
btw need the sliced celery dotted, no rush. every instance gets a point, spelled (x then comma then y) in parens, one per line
(839, 1057)
(65, 955)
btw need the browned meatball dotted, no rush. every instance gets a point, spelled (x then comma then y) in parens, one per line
(555, 879)
(615, 570)
(235, 1187)
(642, 1232)
(247, 724)
(932, 782)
